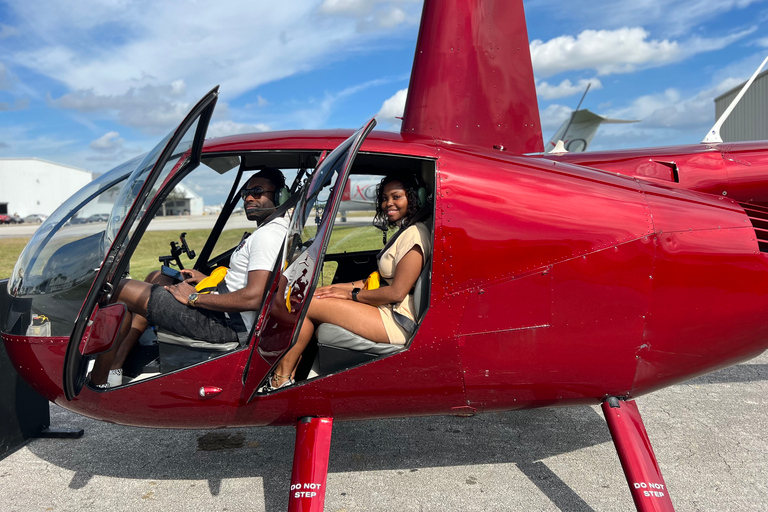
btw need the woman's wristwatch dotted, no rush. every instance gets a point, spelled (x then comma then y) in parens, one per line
(355, 291)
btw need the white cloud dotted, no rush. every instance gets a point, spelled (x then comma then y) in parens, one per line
(118, 57)
(315, 115)
(374, 14)
(18, 104)
(391, 109)
(356, 7)
(391, 18)
(606, 51)
(566, 88)
(671, 109)
(110, 142)
(224, 128)
(152, 107)
(622, 50)
(260, 102)
(553, 116)
(5, 82)
(8, 31)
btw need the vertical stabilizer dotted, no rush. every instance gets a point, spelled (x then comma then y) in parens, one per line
(472, 80)
(577, 131)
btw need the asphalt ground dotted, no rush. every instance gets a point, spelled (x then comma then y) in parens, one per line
(709, 436)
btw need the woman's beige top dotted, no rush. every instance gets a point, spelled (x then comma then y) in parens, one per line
(418, 234)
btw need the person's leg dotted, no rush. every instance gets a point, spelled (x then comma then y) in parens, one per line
(361, 319)
(138, 325)
(103, 362)
(135, 295)
(287, 365)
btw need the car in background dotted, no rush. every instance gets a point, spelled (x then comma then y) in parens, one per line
(4, 219)
(35, 218)
(98, 217)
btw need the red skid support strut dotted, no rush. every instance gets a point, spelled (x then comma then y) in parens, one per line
(636, 454)
(310, 464)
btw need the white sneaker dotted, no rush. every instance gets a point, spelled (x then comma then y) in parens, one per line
(115, 378)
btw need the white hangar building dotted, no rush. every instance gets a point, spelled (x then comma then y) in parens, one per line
(749, 120)
(32, 185)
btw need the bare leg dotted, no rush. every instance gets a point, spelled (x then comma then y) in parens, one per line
(104, 361)
(135, 295)
(138, 325)
(362, 319)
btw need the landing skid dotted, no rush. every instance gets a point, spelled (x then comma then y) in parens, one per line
(649, 491)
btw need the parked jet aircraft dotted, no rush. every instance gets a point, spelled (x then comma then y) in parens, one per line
(579, 129)
(554, 280)
(576, 133)
(359, 196)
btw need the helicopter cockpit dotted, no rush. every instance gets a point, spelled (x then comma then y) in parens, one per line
(63, 283)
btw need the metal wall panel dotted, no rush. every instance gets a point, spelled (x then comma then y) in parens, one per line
(749, 120)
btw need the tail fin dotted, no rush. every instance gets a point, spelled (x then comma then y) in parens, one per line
(577, 131)
(472, 81)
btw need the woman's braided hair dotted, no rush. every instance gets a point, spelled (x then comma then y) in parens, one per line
(411, 186)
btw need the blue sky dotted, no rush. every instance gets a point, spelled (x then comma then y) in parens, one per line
(92, 83)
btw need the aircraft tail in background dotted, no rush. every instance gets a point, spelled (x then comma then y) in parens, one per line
(577, 131)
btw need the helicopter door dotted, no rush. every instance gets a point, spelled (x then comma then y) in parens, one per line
(178, 152)
(303, 254)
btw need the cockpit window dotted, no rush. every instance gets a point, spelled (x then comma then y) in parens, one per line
(56, 268)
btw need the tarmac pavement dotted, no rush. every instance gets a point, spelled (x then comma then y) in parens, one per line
(709, 435)
(176, 223)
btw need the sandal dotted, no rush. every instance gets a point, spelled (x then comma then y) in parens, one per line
(273, 379)
(97, 386)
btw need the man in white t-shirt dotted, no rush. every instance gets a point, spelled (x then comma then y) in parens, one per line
(217, 317)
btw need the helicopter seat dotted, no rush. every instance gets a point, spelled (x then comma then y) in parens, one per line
(179, 351)
(339, 348)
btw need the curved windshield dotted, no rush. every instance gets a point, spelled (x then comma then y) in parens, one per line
(55, 271)
(72, 222)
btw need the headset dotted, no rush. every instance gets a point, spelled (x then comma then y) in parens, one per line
(421, 190)
(282, 192)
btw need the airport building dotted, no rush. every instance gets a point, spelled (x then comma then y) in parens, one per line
(182, 201)
(34, 186)
(749, 120)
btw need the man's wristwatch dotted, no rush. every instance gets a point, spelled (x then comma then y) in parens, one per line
(192, 299)
(355, 291)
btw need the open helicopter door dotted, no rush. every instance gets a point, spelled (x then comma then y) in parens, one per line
(303, 253)
(178, 152)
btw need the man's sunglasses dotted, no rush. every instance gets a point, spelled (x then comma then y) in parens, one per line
(255, 192)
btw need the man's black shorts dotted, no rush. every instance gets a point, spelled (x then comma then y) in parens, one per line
(163, 310)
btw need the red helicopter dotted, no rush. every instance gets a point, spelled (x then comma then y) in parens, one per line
(565, 280)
